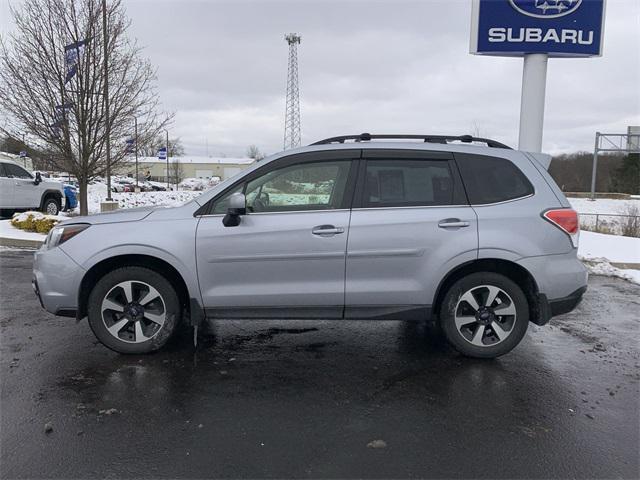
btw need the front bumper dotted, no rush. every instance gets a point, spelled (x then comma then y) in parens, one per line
(56, 279)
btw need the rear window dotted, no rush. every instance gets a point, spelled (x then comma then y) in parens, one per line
(401, 183)
(492, 180)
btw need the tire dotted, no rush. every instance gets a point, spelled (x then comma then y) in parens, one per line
(483, 332)
(133, 331)
(6, 213)
(51, 206)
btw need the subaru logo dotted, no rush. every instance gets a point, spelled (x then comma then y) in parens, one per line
(545, 8)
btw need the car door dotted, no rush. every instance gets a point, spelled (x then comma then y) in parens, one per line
(6, 188)
(410, 225)
(286, 258)
(25, 192)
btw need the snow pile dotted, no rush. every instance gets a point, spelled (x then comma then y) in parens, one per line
(598, 251)
(97, 193)
(198, 184)
(601, 266)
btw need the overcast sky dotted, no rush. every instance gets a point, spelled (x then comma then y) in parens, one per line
(386, 67)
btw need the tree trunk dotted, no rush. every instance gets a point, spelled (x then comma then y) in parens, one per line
(84, 207)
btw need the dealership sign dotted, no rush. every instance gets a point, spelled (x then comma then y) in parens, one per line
(559, 28)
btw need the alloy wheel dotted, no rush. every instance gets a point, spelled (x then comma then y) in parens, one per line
(133, 311)
(485, 315)
(52, 209)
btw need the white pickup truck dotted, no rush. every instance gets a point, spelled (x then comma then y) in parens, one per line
(20, 190)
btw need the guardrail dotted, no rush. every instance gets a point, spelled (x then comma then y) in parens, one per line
(611, 223)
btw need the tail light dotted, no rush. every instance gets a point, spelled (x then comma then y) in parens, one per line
(566, 219)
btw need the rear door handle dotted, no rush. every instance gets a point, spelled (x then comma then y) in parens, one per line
(452, 223)
(327, 230)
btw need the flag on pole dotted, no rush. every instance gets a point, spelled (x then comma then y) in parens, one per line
(162, 153)
(72, 54)
(130, 145)
(59, 115)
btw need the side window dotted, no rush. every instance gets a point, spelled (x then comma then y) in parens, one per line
(304, 186)
(491, 179)
(402, 183)
(16, 172)
(2, 172)
(220, 206)
(299, 187)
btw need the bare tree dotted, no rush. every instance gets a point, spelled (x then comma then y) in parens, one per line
(65, 113)
(150, 149)
(255, 153)
(176, 172)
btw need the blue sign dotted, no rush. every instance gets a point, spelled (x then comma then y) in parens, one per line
(162, 153)
(560, 28)
(23, 153)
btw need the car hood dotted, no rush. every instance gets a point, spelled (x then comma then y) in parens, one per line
(116, 216)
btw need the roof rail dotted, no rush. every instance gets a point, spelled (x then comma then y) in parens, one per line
(365, 137)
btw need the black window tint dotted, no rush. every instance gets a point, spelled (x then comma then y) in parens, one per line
(16, 171)
(401, 183)
(2, 172)
(492, 180)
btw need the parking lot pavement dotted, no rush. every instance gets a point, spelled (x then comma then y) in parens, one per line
(305, 399)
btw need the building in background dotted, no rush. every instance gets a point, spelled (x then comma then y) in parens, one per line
(191, 167)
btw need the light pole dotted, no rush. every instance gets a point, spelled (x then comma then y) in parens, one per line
(106, 97)
(167, 145)
(135, 123)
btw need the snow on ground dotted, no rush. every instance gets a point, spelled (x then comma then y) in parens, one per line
(598, 250)
(9, 231)
(603, 205)
(614, 248)
(98, 193)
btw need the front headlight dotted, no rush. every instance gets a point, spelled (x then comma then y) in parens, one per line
(60, 234)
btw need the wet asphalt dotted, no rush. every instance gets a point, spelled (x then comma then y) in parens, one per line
(266, 399)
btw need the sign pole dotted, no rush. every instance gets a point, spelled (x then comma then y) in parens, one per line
(534, 82)
(595, 168)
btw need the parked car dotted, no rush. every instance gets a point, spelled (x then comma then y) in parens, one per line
(71, 196)
(478, 237)
(120, 186)
(20, 190)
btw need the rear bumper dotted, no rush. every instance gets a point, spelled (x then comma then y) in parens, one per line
(558, 306)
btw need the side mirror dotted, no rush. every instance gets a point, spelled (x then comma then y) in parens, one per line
(38, 179)
(237, 207)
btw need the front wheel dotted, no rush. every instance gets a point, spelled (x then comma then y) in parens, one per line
(484, 315)
(133, 310)
(51, 206)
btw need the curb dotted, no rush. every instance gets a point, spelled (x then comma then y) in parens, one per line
(20, 243)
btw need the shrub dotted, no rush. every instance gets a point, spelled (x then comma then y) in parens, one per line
(34, 222)
(631, 224)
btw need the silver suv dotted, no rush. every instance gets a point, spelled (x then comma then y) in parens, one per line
(478, 237)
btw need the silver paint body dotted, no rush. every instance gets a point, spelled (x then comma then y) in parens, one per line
(271, 265)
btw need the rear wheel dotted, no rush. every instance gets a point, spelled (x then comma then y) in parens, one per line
(133, 310)
(484, 315)
(51, 206)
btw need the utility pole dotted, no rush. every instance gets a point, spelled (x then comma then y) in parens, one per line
(135, 120)
(292, 135)
(106, 97)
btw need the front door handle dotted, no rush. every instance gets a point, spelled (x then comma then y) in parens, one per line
(327, 230)
(452, 223)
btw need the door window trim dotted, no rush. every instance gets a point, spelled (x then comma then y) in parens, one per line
(352, 155)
